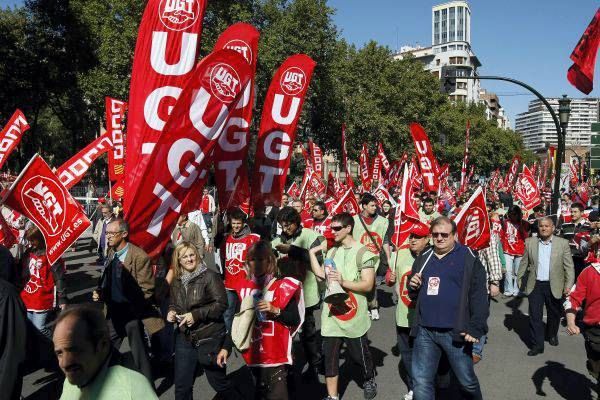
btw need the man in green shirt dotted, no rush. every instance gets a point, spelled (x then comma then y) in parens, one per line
(427, 213)
(348, 321)
(294, 242)
(85, 354)
(399, 272)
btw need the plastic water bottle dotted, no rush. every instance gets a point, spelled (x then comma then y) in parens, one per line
(329, 265)
(260, 316)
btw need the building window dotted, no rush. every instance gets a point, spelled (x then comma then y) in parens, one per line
(437, 61)
(461, 85)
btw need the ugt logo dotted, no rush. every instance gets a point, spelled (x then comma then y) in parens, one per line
(241, 47)
(224, 83)
(41, 193)
(178, 15)
(292, 81)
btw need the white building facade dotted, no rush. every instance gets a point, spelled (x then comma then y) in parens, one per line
(537, 127)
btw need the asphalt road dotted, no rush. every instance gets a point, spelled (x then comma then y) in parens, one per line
(505, 372)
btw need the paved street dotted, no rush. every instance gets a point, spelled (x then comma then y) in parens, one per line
(505, 372)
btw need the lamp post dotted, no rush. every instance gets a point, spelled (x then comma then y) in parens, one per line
(564, 111)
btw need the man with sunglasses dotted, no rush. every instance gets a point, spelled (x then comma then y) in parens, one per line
(398, 274)
(295, 242)
(348, 321)
(449, 285)
(322, 224)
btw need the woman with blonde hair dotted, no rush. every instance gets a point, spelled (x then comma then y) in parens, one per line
(198, 301)
(276, 286)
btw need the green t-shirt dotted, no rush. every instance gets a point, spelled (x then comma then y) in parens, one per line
(378, 231)
(306, 240)
(427, 218)
(350, 319)
(112, 383)
(402, 262)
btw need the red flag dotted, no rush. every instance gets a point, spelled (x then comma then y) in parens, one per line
(471, 171)
(365, 176)
(183, 151)
(574, 167)
(512, 173)
(165, 54)
(424, 152)
(473, 223)
(494, 180)
(277, 132)
(384, 161)
(71, 172)
(402, 228)
(118, 189)
(115, 113)
(382, 194)
(311, 183)
(542, 173)
(316, 157)
(581, 73)
(333, 187)
(463, 171)
(526, 190)
(7, 237)
(294, 190)
(347, 203)
(407, 203)
(349, 181)
(11, 135)
(38, 194)
(376, 170)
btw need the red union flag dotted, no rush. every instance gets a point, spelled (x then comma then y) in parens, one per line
(407, 202)
(38, 194)
(118, 189)
(231, 153)
(347, 203)
(376, 170)
(333, 187)
(382, 194)
(293, 190)
(473, 223)
(526, 190)
(182, 153)
(316, 157)
(365, 176)
(7, 237)
(277, 132)
(165, 54)
(11, 135)
(71, 172)
(384, 161)
(512, 173)
(581, 73)
(427, 161)
(115, 112)
(402, 228)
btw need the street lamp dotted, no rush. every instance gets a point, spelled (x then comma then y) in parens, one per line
(564, 111)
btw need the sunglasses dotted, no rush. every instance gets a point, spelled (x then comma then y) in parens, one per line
(440, 234)
(337, 228)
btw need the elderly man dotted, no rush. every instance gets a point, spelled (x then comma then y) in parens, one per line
(100, 233)
(91, 365)
(548, 267)
(449, 285)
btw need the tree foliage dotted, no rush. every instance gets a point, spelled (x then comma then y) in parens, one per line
(62, 57)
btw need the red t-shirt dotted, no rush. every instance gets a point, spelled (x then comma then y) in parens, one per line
(513, 238)
(236, 252)
(39, 293)
(587, 289)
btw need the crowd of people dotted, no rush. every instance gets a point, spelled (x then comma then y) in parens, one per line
(275, 271)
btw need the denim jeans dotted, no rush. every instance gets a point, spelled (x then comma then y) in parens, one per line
(478, 347)
(510, 279)
(232, 301)
(40, 320)
(428, 348)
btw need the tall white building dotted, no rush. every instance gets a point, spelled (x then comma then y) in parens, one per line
(451, 46)
(537, 127)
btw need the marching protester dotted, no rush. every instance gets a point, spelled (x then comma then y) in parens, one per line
(198, 301)
(449, 286)
(305, 217)
(274, 289)
(43, 285)
(547, 266)
(371, 230)
(99, 235)
(400, 269)
(574, 231)
(187, 231)
(295, 242)
(513, 235)
(127, 288)
(352, 266)
(208, 207)
(428, 213)
(322, 221)
(91, 365)
(234, 252)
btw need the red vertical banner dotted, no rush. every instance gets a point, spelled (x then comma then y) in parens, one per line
(427, 161)
(363, 165)
(115, 113)
(183, 151)
(277, 132)
(11, 135)
(473, 223)
(231, 153)
(376, 170)
(512, 173)
(316, 157)
(526, 190)
(384, 161)
(581, 73)
(165, 54)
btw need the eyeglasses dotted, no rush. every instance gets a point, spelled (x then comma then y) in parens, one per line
(113, 233)
(440, 234)
(337, 228)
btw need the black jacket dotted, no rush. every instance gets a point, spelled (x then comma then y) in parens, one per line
(474, 307)
(206, 299)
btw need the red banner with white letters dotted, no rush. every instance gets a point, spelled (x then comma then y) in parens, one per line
(231, 153)
(183, 151)
(382, 194)
(512, 173)
(384, 161)
(363, 165)
(376, 170)
(407, 203)
(526, 190)
(581, 73)
(11, 135)
(115, 113)
(347, 203)
(277, 132)
(473, 223)
(427, 161)
(72, 171)
(40, 196)
(166, 51)
(316, 157)
(293, 191)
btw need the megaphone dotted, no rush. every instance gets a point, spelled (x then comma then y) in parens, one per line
(334, 293)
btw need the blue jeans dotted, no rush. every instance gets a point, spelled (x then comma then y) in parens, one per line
(232, 301)
(40, 320)
(478, 347)
(427, 351)
(510, 279)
